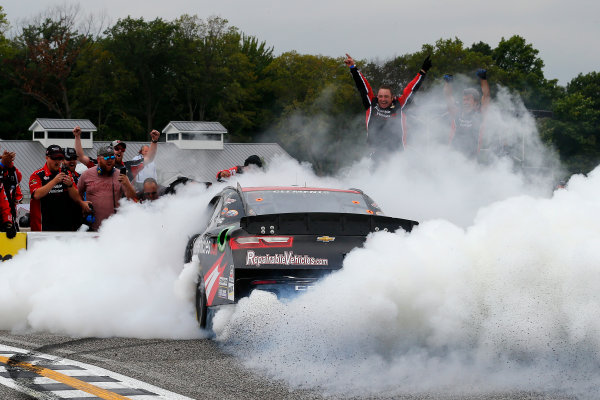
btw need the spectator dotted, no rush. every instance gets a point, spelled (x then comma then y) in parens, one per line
(133, 167)
(252, 162)
(70, 163)
(150, 191)
(104, 186)
(149, 170)
(386, 130)
(180, 182)
(52, 191)
(467, 124)
(11, 179)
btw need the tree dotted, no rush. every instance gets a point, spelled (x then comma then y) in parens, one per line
(520, 69)
(145, 48)
(220, 75)
(318, 107)
(101, 90)
(481, 47)
(47, 52)
(575, 129)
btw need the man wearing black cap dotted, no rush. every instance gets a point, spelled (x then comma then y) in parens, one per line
(51, 194)
(133, 167)
(252, 162)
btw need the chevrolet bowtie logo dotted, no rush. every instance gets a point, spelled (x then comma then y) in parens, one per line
(325, 239)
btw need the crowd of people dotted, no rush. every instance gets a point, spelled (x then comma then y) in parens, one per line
(64, 200)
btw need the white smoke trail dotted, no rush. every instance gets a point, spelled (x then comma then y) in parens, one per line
(510, 303)
(122, 283)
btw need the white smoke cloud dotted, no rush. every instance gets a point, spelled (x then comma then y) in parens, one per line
(508, 303)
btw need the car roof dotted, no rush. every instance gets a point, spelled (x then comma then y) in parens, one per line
(298, 188)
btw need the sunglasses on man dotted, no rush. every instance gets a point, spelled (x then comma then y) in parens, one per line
(108, 157)
(57, 157)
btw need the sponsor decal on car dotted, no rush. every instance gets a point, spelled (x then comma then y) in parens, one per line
(325, 239)
(303, 191)
(212, 277)
(302, 288)
(231, 292)
(229, 201)
(287, 258)
(231, 213)
(223, 281)
(222, 292)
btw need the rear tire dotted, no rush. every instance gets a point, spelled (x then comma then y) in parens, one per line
(201, 307)
(189, 249)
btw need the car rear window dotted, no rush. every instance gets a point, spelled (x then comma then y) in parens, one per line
(260, 202)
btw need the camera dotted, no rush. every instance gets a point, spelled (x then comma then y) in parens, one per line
(123, 171)
(91, 217)
(64, 169)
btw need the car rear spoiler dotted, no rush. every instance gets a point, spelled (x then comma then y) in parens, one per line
(322, 224)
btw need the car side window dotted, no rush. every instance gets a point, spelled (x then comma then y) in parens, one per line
(217, 203)
(232, 208)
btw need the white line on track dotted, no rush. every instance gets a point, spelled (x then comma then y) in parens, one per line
(96, 376)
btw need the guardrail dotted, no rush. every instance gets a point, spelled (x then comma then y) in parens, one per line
(26, 240)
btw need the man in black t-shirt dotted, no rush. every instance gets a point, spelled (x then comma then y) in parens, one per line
(52, 192)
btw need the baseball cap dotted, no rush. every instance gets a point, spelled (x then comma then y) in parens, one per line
(54, 150)
(106, 151)
(253, 159)
(70, 154)
(116, 143)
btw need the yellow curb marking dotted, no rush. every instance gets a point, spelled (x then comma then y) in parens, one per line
(67, 380)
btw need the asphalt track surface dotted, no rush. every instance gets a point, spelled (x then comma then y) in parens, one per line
(198, 369)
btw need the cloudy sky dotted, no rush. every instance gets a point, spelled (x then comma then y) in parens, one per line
(565, 33)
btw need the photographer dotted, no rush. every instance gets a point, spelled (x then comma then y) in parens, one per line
(104, 186)
(11, 178)
(52, 193)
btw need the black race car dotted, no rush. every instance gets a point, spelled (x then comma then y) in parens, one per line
(278, 239)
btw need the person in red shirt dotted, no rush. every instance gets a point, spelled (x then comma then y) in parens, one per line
(253, 161)
(11, 178)
(52, 191)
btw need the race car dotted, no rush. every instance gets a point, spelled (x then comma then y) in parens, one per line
(278, 239)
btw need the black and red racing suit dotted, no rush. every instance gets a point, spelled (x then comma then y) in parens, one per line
(386, 127)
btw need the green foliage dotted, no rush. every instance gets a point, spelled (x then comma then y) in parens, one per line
(317, 101)
(45, 54)
(481, 47)
(575, 129)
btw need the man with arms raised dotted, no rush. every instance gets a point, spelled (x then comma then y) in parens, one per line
(386, 123)
(133, 167)
(467, 123)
